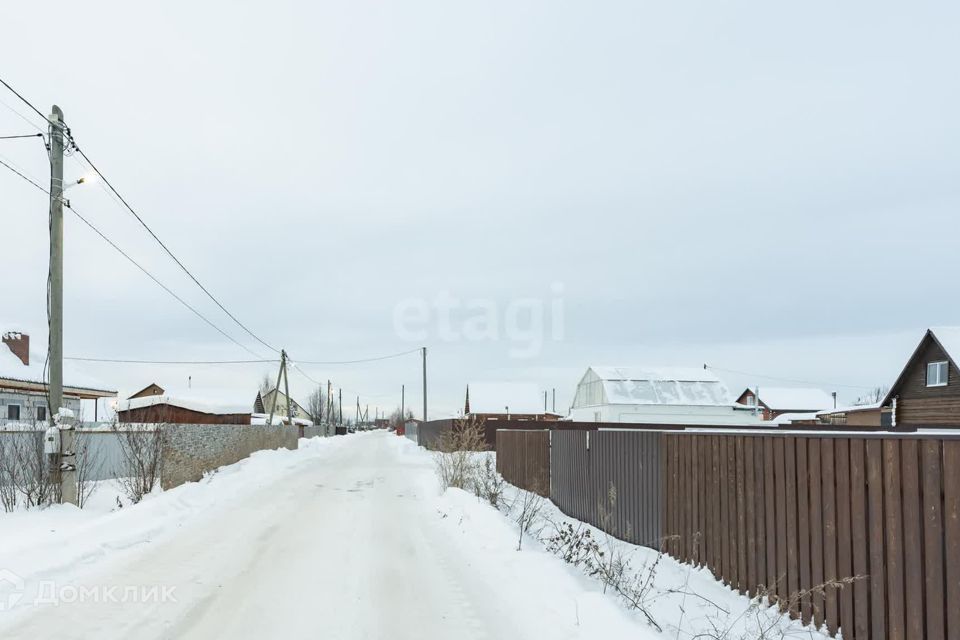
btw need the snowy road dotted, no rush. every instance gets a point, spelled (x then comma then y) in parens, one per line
(347, 541)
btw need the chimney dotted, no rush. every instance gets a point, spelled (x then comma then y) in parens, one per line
(19, 344)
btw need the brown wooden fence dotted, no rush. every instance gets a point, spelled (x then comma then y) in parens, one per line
(782, 512)
(523, 459)
(792, 512)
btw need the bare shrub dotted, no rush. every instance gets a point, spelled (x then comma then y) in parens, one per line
(455, 456)
(529, 512)
(89, 465)
(141, 449)
(8, 480)
(488, 483)
(31, 474)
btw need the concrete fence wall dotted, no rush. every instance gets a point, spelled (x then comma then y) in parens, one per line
(190, 450)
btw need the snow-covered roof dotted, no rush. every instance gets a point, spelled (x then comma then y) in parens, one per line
(688, 386)
(196, 403)
(684, 374)
(851, 409)
(788, 418)
(12, 368)
(795, 398)
(496, 397)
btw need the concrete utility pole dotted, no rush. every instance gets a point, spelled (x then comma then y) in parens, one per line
(403, 400)
(66, 461)
(286, 384)
(424, 383)
(340, 401)
(329, 407)
(276, 389)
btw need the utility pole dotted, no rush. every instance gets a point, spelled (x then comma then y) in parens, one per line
(329, 407)
(403, 399)
(276, 389)
(358, 411)
(286, 385)
(66, 465)
(424, 383)
(340, 396)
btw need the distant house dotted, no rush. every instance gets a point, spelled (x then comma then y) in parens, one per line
(868, 415)
(771, 402)
(664, 395)
(506, 401)
(927, 391)
(152, 389)
(264, 401)
(24, 383)
(178, 410)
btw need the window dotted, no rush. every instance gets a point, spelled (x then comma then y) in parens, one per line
(937, 374)
(13, 412)
(42, 414)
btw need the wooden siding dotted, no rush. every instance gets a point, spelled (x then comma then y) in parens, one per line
(919, 404)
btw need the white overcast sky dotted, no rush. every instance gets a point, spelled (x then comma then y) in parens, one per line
(766, 187)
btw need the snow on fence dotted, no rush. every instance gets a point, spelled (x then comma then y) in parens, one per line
(787, 510)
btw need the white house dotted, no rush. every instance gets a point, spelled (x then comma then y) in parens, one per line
(662, 395)
(23, 384)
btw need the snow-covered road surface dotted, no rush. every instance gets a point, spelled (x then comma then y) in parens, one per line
(345, 538)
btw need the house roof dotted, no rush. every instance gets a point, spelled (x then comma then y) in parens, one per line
(75, 380)
(688, 386)
(798, 399)
(787, 418)
(949, 340)
(198, 403)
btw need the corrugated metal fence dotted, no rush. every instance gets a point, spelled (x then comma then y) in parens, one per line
(523, 459)
(789, 511)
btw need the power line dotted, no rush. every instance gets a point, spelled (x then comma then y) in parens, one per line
(137, 264)
(24, 100)
(182, 362)
(170, 253)
(374, 359)
(28, 135)
(807, 382)
(141, 221)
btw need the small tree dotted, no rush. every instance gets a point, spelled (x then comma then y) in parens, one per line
(317, 404)
(89, 466)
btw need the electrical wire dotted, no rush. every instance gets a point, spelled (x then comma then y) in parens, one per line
(28, 135)
(136, 264)
(140, 220)
(181, 362)
(374, 359)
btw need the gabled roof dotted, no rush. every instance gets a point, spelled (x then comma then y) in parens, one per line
(200, 404)
(797, 399)
(686, 374)
(948, 338)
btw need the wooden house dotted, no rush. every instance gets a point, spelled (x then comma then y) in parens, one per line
(927, 392)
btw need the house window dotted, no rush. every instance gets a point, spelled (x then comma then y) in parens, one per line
(937, 374)
(13, 412)
(751, 401)
(42, 414)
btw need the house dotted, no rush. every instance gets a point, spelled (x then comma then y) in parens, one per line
(180, 409)
(264, 401)
(662, 395)
(775, 401)
(152, 389)
(867, 415)
(24, 379)
(927, 391)
(506, 401)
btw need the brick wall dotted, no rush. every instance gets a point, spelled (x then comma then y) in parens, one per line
(190, 450)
